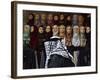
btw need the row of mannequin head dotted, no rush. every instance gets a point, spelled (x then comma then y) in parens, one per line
(51, 16)
(51, 19)
(57, 30)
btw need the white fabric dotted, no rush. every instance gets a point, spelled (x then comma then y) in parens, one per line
(76, 40)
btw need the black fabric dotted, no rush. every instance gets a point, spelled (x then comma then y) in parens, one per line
(85, 53)
(29, 61)
(43, 59)
(59, 61)
(70, 49)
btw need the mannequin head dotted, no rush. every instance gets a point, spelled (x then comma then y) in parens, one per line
(68, 29)
(82, 29)
(76, 29)
(43, 16)
(80, 19)
(40, 29)
(48, 29)
(68, 18)
(30, 17)
(68, 35)
(32, 28)
(26, 28)
(61, 29)
(88, 29)
(61, 17)
(55, 30)
(37, 16)
(50, 17)
(75, 17)
(56, 18)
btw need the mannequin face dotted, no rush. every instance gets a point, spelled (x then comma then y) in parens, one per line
(40, 30)
(62, 29)
(56, 18)
(48, 29)
(43, 16)
(82, 29)
(32, 28)
(75, 29)
(55, 29)
(75, 17)
(68, 29)
(26, 28)
(88, 29)
(61, 17)
(36, 16)
(68, 18)
(30, 17)
(50, 17)
(80, 19)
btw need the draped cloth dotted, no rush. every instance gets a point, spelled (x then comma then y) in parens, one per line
(56, 47)
(76, 40)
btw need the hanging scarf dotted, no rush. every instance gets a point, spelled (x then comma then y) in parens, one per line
(82, 40)
(76, 40)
